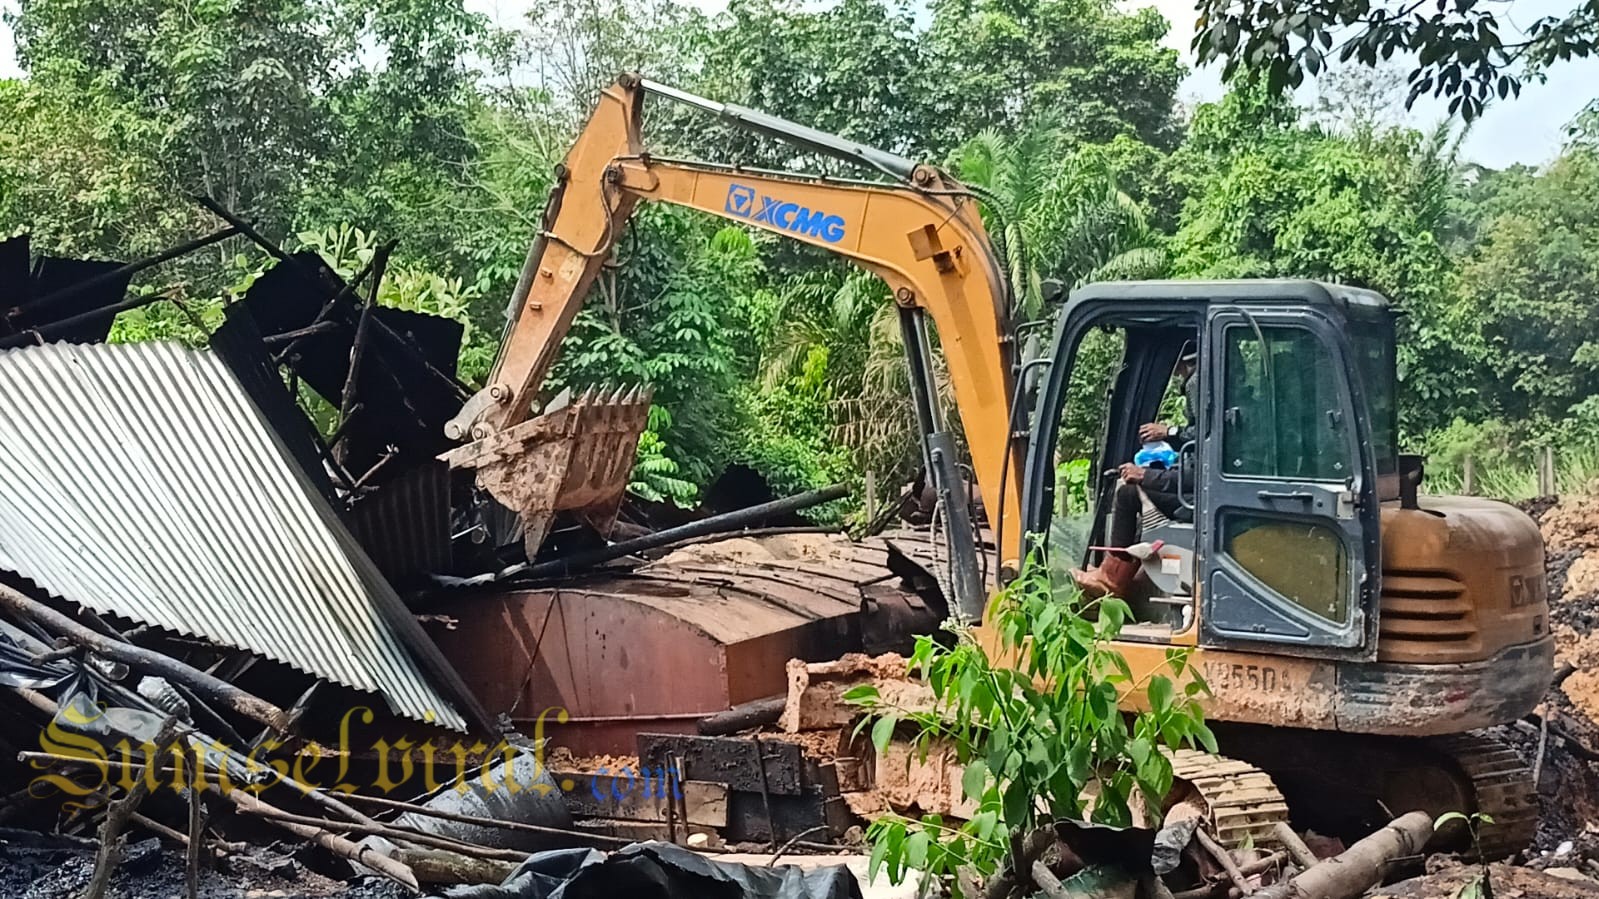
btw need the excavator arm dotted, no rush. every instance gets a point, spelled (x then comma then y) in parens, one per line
(922, 236)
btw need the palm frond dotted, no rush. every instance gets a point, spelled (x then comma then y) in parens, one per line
(1138, 264)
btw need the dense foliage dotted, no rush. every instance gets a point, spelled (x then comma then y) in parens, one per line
(1462, 50)
(417, 121)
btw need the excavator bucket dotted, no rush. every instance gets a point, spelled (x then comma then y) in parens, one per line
(574, 458)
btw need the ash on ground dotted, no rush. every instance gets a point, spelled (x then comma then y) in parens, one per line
(38, 866)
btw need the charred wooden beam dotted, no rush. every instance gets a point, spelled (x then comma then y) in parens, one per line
(731, 761)
(124, 271)
(755, 713)
(147, 660)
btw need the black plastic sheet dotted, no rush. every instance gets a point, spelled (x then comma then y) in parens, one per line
(659, 871)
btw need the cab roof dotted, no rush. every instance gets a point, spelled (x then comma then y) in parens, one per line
(1255, 290)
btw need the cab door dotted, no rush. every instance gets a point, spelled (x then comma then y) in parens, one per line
(1288, 495)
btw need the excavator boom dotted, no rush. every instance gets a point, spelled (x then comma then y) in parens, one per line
(923, 236)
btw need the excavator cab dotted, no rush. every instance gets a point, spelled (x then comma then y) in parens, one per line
(1317, 589)
(1282, 472)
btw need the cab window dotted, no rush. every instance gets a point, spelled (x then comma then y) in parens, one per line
(1373, 343)
(1282, 411)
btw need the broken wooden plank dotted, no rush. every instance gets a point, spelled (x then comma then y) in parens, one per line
(146, 660)
(757, 713)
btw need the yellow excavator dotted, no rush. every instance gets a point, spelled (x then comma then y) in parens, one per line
(1353, 631)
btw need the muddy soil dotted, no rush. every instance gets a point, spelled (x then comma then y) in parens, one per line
(47, 869)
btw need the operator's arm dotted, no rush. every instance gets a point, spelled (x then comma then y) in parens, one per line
(1177, 435)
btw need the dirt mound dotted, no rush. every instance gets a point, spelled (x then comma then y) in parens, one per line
(1572, 524)
(743, 550)
(1568, 785)
(1582, 578)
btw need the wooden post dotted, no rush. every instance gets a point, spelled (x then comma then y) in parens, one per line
(196, 832)
(871, 496)
(1546, 472)
(1468, 483)
(380, 260)
(118, 813)
(1224, 858)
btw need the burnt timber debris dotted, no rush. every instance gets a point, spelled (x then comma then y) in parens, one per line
(193, 569)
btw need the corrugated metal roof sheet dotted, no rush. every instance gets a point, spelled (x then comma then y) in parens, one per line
(139, 480)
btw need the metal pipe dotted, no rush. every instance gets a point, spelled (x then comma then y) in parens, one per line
(789, 132)
(132, 268)
(716, 524)
(965, 580)
(50, 329)
(940, 460)
(919, 362)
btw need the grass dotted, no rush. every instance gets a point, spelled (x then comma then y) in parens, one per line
(1516, 479)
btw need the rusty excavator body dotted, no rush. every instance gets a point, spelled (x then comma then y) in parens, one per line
(1353, 633)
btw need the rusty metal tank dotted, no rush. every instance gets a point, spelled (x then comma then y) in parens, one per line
(659, 647)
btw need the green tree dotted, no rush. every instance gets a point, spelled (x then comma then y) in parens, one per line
(326, 109)
(835, 326)
(1461, 48)
(856, 68)
(1271, 197)
(1033, 718)
(234, 93)
(1530, 282)
(79, 172)
(1099, 71)
(1058, 211)
(399, 122)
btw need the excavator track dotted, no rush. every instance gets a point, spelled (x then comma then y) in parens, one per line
(1243, 800)
(1502, 787)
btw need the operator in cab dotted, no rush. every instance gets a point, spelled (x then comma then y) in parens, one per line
(1141, 480)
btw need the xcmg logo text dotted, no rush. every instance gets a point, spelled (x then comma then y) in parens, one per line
(745, 202)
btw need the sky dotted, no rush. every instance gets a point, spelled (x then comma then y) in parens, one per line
(1528, 129)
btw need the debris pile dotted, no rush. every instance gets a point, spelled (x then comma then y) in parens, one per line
(226, 623)
(221, 617)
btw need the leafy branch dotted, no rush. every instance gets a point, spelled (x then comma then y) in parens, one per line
(1038, 726)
